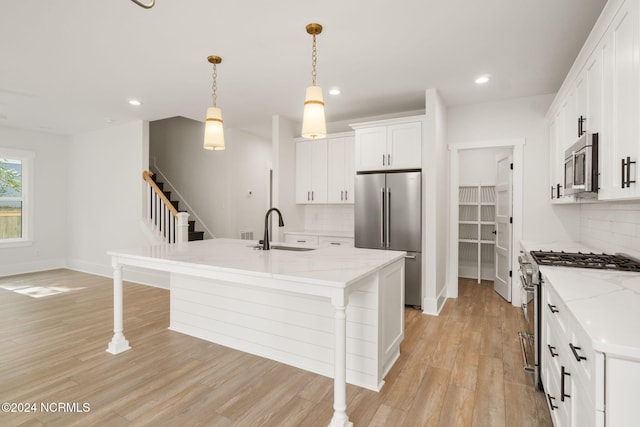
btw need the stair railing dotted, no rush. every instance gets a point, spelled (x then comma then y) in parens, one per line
(172, 226)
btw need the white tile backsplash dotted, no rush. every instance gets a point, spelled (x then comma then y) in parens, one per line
(329, 218)
(611, 227)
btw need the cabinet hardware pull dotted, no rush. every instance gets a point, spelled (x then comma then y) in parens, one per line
(551, 348)
(301, 241)
(581, 130)
(575, 353)
(558, 187)
(335, 243)
(308, 195)
(346, 194)
(388, 159)
(341, 194)
(563, 373)
(552, 193)
(312, 196)
(410, 257)
(553, 308)
(622, 183)
(383, 160)
(551, 399)
(382, 217)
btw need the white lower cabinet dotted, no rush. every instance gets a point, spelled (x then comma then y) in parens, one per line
(318, 240)
(582, 386)
(335, 241)
(301, 239)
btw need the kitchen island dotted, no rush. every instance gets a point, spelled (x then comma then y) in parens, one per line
(335, 311)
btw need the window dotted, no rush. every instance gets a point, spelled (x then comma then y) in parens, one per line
(15, 202)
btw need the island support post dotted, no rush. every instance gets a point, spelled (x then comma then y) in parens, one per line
(118, 343)
(340, 417)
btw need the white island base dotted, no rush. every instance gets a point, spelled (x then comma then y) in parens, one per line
(337, 312)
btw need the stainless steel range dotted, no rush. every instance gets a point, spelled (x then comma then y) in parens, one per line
(531, 279)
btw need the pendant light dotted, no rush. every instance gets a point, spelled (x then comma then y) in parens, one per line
(213, 131)
(313, 124)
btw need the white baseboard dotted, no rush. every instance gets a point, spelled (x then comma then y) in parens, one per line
(433, 306)
(32, 266)
(142, 276)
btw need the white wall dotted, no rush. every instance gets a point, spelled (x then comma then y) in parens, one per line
(105, 193)
(518, 118)
(284, 176)
(50, 203)
(612, 227)
(478, 166)
(214, 184)
(329, 218)
(435, 183)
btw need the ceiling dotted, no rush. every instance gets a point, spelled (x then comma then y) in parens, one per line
(70, 67)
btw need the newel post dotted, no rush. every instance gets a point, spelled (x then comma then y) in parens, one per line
(182, 227)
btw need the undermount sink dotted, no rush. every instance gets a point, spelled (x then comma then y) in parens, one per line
(285, 248)
(290, 248)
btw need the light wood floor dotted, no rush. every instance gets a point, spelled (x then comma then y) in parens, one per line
(462, 368)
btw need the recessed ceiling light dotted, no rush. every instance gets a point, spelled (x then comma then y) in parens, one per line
(135, 102)
(334, 91)
(482, 79)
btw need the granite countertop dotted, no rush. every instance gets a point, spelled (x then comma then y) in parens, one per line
(605, 303)
(330, 266)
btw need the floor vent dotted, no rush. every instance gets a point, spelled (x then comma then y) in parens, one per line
(246, 235)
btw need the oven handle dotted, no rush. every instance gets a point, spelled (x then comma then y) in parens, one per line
(526, 286)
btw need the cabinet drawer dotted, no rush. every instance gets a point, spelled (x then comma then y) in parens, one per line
(555, 310)
(335, 241)
(584, 363)
(301, 239)
(559, 410)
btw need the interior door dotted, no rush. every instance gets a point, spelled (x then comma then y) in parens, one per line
(502, 282)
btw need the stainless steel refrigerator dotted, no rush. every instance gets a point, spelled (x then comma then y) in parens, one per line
(388, 216)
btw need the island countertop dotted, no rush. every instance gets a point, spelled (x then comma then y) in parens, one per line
(330, 266)
(288, 306)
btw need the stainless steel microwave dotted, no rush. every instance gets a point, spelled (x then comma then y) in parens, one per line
(581, 167)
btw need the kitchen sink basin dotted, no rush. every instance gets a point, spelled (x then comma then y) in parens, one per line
(285, 248)
(290, 248)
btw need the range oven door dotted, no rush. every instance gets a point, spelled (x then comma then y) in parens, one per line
(529, 306)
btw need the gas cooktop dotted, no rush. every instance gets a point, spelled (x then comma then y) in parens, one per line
(586, 260)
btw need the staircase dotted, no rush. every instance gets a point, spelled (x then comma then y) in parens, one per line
(193, 234)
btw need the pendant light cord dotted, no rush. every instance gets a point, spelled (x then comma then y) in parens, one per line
(145, 5)
(314, 59)
(214, 86)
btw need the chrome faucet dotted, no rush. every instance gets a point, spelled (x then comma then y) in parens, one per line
(265, 242)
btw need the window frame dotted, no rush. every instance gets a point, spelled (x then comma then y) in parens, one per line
(27, 159)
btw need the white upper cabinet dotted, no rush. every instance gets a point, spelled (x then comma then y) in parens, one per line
(311, 171)
(389, 144)
(404, 145)
(620, 146)
(341, 170)
(325, 171)
(371, 148)
(556, 167)
(603, 88)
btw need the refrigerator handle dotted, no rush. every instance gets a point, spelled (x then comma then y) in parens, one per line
(388, 218)
(382, 222)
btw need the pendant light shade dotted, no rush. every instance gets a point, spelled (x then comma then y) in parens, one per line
(213, 130)
(313, 121)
